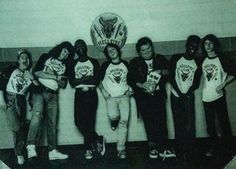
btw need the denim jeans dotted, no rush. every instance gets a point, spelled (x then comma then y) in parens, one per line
(15, 115)
(119, 107)
(36, 118)
(51, 103)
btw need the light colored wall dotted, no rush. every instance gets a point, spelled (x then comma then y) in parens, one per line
(44, 23)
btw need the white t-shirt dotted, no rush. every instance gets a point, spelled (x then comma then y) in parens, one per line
(83, 69)
(19, 82)
(214, 75)
(55, 67)
(115, 80)
(184, 74)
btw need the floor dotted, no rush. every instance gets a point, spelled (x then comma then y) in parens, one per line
(137, 158)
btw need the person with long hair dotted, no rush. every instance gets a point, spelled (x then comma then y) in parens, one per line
(215, 78)
(51, 72)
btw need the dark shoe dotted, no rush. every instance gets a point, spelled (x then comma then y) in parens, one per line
(114, 124)
(153, 153)
(209, 153)
(101, 145)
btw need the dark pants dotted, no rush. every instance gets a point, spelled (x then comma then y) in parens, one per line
(184, 121)
(15, 114)
(85, 108)
(217, 108)
(153, 112)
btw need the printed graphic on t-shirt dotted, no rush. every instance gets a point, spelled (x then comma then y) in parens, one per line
(18, 82)
(54, 66)
(117, 75)
(211, 72)
(149, 64)
(83, 69)
(185, 72)
(154, 76)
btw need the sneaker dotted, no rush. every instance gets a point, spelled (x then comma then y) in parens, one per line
(31, 151)
(153, 153)
(122, 154)
(88, 154)
(209, 153)
(56, 155)
(20, 159)
(167, 154)
(114, 124)
(101, 148)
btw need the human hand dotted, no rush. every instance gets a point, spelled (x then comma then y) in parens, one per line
(3, 104)
(220, 87)
(149, 87)
(29, 75)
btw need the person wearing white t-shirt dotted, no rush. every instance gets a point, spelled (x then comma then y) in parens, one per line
(215, 79)
(117, 93)
(15, 83)
(185, 74)
(51, 72)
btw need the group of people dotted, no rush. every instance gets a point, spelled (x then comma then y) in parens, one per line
(144, 78)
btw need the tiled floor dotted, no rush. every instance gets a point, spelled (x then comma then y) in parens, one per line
(137, 158)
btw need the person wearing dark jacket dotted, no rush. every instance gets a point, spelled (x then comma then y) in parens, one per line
(215, 77)
(147, 77)
(84, 78)
(51, 71)
(185, 74)
(16, 81)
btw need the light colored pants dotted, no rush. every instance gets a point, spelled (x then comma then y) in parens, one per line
(119, 107)
(36, 118)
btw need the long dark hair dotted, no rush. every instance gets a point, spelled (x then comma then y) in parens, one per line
(114, 46)
(214, 40)
(56, 51)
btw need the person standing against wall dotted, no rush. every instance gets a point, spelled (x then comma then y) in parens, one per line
(84, 78)
(117, 93)
(15, 83)
(215, 78)
(147, 76)
(185, 74)
(51, 71)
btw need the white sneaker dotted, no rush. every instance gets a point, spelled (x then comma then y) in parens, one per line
(31, 151)
(20, 160)
(56, 155)
(88, 154)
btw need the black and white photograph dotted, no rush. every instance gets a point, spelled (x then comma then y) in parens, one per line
(107, 84)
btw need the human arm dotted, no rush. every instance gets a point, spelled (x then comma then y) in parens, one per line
(172, 70)
(228, 80)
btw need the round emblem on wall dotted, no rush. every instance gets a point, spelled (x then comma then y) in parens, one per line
(108, 28)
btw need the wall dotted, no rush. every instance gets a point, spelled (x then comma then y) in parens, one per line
(44, 23)
(68, 134)
(39, 25)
